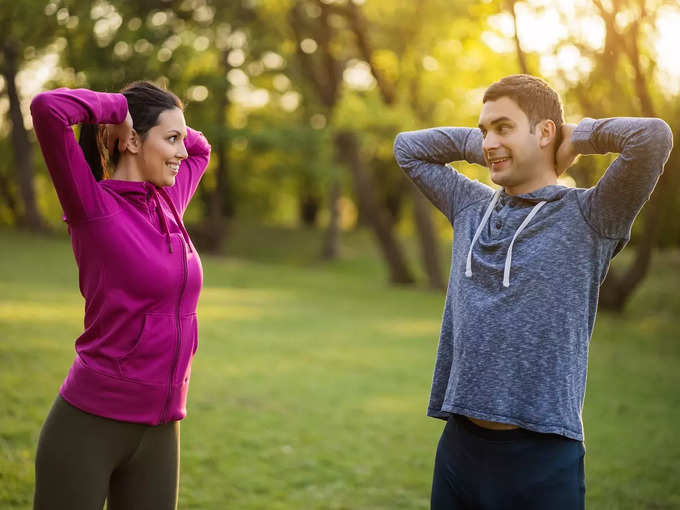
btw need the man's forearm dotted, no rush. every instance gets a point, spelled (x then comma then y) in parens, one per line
(644, 145)
(439, 145)
(424, 154)
(636, 137)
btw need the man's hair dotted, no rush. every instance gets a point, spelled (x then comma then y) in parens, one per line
(533, 96)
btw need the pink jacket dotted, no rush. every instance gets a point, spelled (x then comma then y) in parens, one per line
(138, 271)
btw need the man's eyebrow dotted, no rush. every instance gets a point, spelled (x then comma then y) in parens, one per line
(496, 121)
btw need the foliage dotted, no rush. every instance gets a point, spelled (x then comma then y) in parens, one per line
(404, 65)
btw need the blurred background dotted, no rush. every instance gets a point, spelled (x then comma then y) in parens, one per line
(324, 266)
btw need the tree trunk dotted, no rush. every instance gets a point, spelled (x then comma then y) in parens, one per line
(332, 236)
(222, 201)
(21, 144)
(428, 240)
(521, 56)
(218, 201)
(327, 80)
(620, 285)
(426, 232)
(347, 148)
(360, 30)
(309, 204)
(7, 195)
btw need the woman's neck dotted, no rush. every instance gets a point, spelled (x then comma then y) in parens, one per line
(127, 169)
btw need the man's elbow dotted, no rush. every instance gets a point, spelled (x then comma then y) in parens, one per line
(401, 154)
(661, 133)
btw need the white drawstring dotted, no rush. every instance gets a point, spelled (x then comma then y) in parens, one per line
(508, 258)
(482, 224)
(485, 219)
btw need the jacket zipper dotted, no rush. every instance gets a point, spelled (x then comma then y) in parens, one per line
(178, 318)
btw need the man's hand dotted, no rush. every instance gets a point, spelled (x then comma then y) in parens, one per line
(566, 155)
(118, 133)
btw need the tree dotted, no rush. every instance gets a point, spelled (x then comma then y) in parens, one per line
(408, 48)
(325, 74)
(422, 211)
(16, 36)
(627, 43)
(621, 81)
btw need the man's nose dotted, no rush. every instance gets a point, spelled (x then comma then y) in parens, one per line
(490, 142)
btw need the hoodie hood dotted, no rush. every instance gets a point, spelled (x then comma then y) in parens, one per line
(123, 187)
(139, 193)
(547, 193)
(135, 192)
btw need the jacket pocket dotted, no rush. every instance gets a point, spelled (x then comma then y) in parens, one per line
(150, 359)
(188, 346)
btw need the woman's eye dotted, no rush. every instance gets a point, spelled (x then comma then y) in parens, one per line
(172, 139)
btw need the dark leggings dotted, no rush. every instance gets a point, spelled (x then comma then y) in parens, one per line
(481, 469)
(83, 460)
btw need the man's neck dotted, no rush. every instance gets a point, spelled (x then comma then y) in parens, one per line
(547, 177)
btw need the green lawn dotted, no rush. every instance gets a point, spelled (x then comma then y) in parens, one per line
(311, 381)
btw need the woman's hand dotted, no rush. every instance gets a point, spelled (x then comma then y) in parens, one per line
(566, 155)
(118, 133)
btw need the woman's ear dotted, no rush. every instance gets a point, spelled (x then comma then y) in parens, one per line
(134, 143)
(547, 131)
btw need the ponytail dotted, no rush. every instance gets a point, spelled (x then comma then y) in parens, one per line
(91, 144)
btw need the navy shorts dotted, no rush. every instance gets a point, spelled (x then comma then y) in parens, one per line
(481, 469)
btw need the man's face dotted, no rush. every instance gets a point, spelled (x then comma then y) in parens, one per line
(511, 150)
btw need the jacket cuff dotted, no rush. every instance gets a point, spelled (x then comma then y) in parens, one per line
(582, 136)
(114, 108)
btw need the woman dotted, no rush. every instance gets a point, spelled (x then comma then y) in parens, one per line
(113, 430)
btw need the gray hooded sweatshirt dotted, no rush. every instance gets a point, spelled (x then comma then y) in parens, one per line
(526, 271)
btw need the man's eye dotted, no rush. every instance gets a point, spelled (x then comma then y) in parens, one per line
(504, 128)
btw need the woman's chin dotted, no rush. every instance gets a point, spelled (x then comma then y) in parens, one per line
(169, 181)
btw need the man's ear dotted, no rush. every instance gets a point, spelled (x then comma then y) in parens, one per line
(546, 132)
(134, 143)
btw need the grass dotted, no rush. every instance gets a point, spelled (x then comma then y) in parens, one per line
(311, 381)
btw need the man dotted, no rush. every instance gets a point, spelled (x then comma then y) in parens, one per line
(527, 263)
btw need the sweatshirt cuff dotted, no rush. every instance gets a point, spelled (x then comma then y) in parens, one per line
(582, 136)
(472, 150)
(196, 143)
(114, 108)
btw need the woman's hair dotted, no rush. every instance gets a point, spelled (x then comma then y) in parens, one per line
(145, 102)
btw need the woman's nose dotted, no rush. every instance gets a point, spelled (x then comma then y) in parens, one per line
(182, 154)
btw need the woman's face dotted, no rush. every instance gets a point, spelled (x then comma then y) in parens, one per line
(163, 149)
